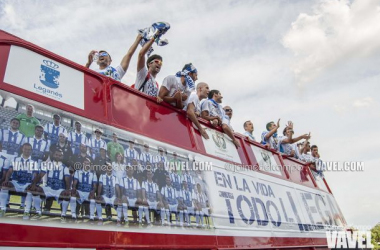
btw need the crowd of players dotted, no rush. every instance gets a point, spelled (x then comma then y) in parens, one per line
(47, 163)
(198, 100)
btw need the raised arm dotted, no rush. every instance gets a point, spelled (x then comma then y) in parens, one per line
(270, 133)
(193, 117)
(127, 58)
(303, 149)
(143, 51)
(90, 58)
(294, 140)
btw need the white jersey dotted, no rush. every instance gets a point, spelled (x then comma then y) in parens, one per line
(187, 196)
(213, 108)
(272, 141)
(286, 148)
(95, 146)
(109, 185)
(52, 132)
(23, 169)
(202, 199)
(227, 120)
(176, 181)
(194, 99)
(86, 180)
(307, 158)
(131, 154)
(118, 170)
(40, 147)
(76, 139)
(114, 73)
(11, 141)
(151, 86)
(146, 157)
(151, 189)
(161, 158)
(4, 162)
(170, 194)
(130, 187)
(56, 176)
(250, 136)
(190, 181)
(174, 84)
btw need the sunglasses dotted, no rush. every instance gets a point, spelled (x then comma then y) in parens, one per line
(103, 54)
(228, 110)
(156, 61)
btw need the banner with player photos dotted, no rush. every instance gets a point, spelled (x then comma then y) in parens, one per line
(93, 176)
(114, 177)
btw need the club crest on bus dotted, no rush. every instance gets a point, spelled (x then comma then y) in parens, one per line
(266, 158)
(49, 74)
(219, 141)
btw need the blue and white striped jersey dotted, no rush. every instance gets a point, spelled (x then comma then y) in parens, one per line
(176, 181)
(76, 139)
(170, 194)
(95, 146)
(108, 185)
(52, 132)
(131, 154)
(11, 141)
(85, 179)
(39, 147)
(187, 196)
(56, 176)
(23, 169)
(190, 181)
(130, 187)
(151, 189)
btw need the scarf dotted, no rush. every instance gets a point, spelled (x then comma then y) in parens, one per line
(185, 73)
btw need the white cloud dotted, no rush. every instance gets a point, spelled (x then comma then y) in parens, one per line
(337, 30)
(363, 103)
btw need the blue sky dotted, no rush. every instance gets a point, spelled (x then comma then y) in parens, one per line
(312, 62)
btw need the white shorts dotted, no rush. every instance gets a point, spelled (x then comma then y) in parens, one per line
(49, 192)
(173, 208)
(190, 210)
(132, 202)
(109, 201)
(20, 187)
(83, 196)
(153, 204)
(205, 211)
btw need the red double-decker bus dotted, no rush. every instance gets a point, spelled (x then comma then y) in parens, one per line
(249, 197)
